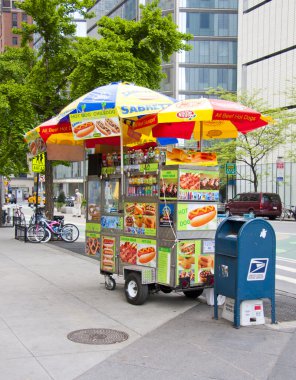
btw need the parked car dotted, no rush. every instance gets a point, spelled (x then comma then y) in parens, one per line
(258, 204)
(70, 201)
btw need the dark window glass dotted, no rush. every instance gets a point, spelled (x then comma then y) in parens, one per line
(14, 19)
(204, 20)
(14, 41)
(24, 17)
(6, 3)
(211, 24)
(231, 4)
(211, 52)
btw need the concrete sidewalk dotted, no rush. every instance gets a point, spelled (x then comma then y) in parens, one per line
(48, 292)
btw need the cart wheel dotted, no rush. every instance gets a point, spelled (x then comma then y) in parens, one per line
(193, 293)
(136, 293)
(110, 283)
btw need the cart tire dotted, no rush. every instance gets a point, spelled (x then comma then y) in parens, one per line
(136, 293)
(193, 293)
(110, 283)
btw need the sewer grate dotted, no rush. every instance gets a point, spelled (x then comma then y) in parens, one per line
(97, 336)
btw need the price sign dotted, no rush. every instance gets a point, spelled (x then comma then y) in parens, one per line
(230, 168)
(38, 163)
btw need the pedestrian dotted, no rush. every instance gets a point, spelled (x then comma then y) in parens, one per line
(77, 203)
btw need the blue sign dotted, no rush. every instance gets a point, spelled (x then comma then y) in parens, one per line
(257, 269)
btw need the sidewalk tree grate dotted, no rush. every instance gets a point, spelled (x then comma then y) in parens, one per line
(97, 336)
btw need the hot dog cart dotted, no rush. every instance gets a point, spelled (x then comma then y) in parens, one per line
(155, 224)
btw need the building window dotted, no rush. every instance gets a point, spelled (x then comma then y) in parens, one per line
(13, 5)
(14, 19)
(6, 3)
(14, 41)
(24, 17)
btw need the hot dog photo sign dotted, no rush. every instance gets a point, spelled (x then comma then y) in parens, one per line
(93, 125)
(196, 216)
(138, 251)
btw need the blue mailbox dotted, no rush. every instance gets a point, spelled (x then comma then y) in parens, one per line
(245, 263)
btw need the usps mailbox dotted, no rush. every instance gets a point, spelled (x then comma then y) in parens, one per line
(245, 263)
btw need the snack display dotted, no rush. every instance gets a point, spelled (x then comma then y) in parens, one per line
(108, 259)
(205, 275)
(139, 217)
(92, 246)
(206, 262)
(190, 181)
(128, 252)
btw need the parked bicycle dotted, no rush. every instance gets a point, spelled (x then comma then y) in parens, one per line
(43, 230)
(288, 213)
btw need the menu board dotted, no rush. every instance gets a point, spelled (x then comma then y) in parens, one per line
(168, 184)
(195, 261)
(138, 251)
(199, 185)
(163, 265)
(95, 124)
(108, 254)
(140, 218)
(92, 239)
(196, 216)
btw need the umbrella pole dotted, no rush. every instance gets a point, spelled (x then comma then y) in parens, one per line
(200, 135)
(121, 163)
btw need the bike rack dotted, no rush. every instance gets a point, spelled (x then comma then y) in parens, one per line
(20, 231)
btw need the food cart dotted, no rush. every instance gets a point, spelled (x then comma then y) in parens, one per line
(151, 211)
(159, 231)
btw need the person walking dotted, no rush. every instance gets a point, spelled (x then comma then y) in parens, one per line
(77, 203)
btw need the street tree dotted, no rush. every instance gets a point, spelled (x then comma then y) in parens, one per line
(54, 26)
(256, 146)
(16, 111)
(127, 51)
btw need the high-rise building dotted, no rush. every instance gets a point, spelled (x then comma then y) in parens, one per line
(267, 63)
(11, 17)
(212, 61)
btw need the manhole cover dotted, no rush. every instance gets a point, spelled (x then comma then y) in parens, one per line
(97, 336)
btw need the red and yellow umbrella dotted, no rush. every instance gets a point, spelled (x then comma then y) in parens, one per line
(202, 118)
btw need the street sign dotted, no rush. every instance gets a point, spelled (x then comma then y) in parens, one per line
(230, 168)
(38, 163)
(280, 168)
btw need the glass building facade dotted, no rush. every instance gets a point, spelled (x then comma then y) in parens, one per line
(212, 61)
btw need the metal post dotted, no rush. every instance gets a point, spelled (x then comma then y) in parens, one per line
(36, 200)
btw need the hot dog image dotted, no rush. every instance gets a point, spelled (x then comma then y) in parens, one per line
(147, 254)
(101, 127)
(84, 129)
(110, 124)
(202, 215)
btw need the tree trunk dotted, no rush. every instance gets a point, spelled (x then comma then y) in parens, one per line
(49, 206)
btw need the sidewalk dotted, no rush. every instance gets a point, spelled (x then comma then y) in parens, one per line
(48, 292)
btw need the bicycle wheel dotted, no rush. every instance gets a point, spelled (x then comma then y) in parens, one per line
(69, 233)
(47, 236)
(35, 233)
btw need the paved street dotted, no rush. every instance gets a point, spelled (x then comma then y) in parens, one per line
(48, 291)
